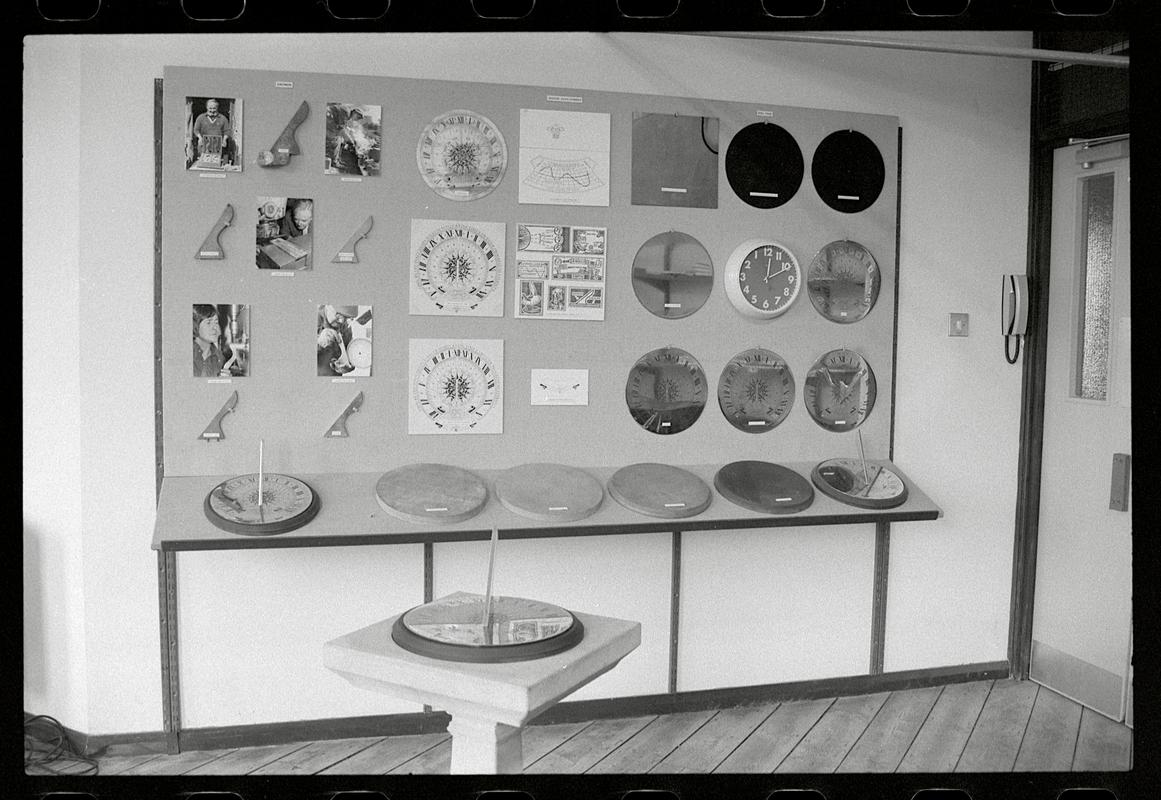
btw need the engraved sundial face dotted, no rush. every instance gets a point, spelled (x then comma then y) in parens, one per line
(756, 390)
(457, 267)
(455, 387)
(666, 390)
(462, 155)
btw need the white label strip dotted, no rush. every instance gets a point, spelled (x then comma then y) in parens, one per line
(346, 257)
(558, 508)
(209, 253)
(282, 150)
(351, 179)
(783, 499)
(342, 380)
(336, 432)
(283, 273)
(674, 190)
(220, 380)
(763, 194)
(848, 197)
(762, 113)
(564, 98)
(666, 424)
(441, 508)
(211, 436)
(211, 175)
(675, 505)
(284, 84)
(840, 422)
(671, 305)
(758, 422)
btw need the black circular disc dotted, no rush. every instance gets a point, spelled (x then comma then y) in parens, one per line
(764, 165)
(451, 629)
(764, 487)
(848, 171)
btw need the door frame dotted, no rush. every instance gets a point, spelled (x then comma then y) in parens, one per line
(1043, 143)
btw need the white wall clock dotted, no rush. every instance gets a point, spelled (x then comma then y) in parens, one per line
(461, 155)
(762, 278)
(456, 386)
(457, 268)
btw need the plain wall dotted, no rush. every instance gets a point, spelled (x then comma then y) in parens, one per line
(92, 655)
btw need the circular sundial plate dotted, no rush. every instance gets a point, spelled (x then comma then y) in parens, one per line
(287, 503)
(844, 480)
(456, 267)
(764, 165)
(673, 275)
(659, 490)
(764, 487)
(461, 155)
(848, 171)
(431, 493)
(756, 390)
(453, 628)
(456, 387)
(840, 390)
(843, 281)
(666, 390)
(549, 492)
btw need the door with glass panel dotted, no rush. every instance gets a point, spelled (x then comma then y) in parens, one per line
(1081, 629)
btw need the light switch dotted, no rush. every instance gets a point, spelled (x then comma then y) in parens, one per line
(957, 325)
(1119, 489)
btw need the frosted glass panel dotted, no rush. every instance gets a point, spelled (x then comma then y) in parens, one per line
(1092, 361)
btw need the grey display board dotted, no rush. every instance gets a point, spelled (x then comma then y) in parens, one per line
(283, 401)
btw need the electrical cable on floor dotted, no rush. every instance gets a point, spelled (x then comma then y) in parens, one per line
(48, 749)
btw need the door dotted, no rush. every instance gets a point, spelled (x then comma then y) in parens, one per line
(1081, 624)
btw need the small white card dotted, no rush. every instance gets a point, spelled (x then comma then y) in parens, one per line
(560, 387)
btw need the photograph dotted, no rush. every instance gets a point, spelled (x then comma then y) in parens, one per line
(353, 139)
(343, 343)
(284, 233)
(221, 341)
(213, 134)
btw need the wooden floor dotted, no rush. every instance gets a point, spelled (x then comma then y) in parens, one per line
(985, 726)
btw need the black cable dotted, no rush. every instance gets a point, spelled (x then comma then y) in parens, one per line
(46, 744)
(704, 140)
(1007, 354)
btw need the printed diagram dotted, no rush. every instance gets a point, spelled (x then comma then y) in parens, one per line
(560, 272)
(457, 268)
(564, 157)
(456, 386)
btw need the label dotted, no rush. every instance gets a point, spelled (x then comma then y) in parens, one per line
(674, 190)
(666, 424)
(345, 257)
(284, 84)
(561, 98)
(757, 422)
(283, 274)
(763, 194)
(675, 505)
(762, 113)
(336, 432)
(220, 380)
(211, 436)
(848, 197)
(282, 150)
(444, 508)
(558, 508)
(211, 175)
(351, 179)
(783, 499)
(209, 253)
(671, 305)
(342, 380)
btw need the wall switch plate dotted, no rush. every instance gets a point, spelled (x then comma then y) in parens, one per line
(1119, 488)
(957, 325)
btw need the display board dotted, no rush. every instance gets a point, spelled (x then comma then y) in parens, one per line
(335, 242)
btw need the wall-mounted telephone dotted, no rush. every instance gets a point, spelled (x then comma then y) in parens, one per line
(1013, 312)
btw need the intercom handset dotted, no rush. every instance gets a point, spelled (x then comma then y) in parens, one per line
(1013, 311)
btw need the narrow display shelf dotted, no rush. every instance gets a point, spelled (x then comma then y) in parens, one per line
(349, 514)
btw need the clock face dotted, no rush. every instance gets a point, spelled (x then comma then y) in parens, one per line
(287, 503)
(848, 171)
(462, 155)
(672, 275)
(666, 390)
(456, 389)
(839, 390)
(762, 278)
(869, 485)
(457, 268)
(756, 390)
(843, 281)
(764, 165)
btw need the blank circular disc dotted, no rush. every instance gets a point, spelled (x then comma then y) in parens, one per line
(549, 492)
(848, 172)
(431, 493)
(659, 490)
(764, 165)
(764, 487)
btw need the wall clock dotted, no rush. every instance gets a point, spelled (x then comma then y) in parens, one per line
(848, 172)
(756, 390)
(456, 386)
(666, 390)
(764, 165)
(762, 278)
(673, 275)
(843, 281)
(864, 484)
(457, 268)
(461, 155)
(287, 503)
(839, 390)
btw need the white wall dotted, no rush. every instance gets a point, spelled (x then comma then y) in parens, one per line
(91, 642)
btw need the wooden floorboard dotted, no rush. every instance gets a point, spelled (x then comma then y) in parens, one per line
(996, 738)
(1102, 745)
(982, 726)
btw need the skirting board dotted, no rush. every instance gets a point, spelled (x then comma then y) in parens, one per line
(1087, 684)
(436, 722)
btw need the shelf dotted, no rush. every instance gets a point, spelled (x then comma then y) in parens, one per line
(351, 515)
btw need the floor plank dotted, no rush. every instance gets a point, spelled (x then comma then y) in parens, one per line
(829, 741)
(246, 759)
(770, 743)
(118, 765)
(539, 740)
(433, 761)
(941, 740)
(996, 738)
(385, 755)
(715, 740)
(892, 731)
(1102, 745)
(1050, 739)
(316, 756)
(178, 764)
(588, 747)
(652, 743)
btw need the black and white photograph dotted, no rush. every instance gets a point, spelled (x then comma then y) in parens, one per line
(284, 235)
(213, 139)
(354, 138)
(343, 344)
(221, 340)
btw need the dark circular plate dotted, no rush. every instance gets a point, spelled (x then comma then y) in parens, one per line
(764, 165)
(666, 390)
(848, 171)
(764, 487)
(844, 480)
(452, 629)
(287, 503)
(659, 490)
